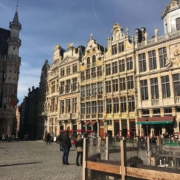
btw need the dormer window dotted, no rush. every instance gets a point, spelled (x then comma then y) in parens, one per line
(114, 49)
(175, 25)
(94, 61)
(121, 47)
(88, 62)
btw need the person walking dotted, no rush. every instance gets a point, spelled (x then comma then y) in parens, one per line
(3, 137)
(79, 148)
(6, 137)
(66, 144)
(48, 138)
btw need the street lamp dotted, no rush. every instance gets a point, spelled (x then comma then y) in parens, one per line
(147, 125)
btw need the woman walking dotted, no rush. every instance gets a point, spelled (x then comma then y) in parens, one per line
(79, 148)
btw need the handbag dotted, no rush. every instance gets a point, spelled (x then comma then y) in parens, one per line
(79, 149)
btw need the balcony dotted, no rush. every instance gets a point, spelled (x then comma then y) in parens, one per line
(177, 99)
(155, 102)
(65, 116)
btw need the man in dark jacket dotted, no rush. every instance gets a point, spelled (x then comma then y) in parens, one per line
(66, 143)
(48, 138)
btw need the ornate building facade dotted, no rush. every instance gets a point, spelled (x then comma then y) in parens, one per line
(9, 74)
(59, 91)
(130, 88)
(158, 76)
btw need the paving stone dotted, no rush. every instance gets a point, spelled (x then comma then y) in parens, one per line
(33, 160)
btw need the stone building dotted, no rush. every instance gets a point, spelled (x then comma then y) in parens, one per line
(9, 74)
(29, 114)
(92, 87)
(158, 76)
(59, 90)
(130, 88)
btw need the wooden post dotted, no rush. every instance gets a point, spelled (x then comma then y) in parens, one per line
(123, 158)
(84, 170)
(148, 151)
(107, 148)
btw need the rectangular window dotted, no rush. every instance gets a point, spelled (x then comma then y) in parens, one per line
(74, 84)
(100, 106)
(88, 108)
(67, 70)
(99, 71)
(74, 105)
(162, 56)
(83, 108)
(154, 88)
(115, 85)
(121, 66)
(108, 86)
(88, 90)
(142, 62)
(114, 49)
(82, 76)
(93, 72)
(62, 72)
(100, 87)
(121, 47)
(123, 104)
(130, 82)
(74, 68)
(129, 63)
(176, 82)
(144, 90)
(114, 67)
(152, 60)
(68, 103)
(122, 84)
(94, 107)
(108, 69)
(93, 89)
(116, 105)
(62, 87)
(109, 106)
(82, 91)
(68, 85)
(88, 74)
(165, 86)
(131, 104)
(178, 24)
(62, 106)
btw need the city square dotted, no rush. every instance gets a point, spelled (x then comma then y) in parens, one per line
(33, 160)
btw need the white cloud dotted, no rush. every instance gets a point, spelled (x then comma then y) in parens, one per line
(4, 7)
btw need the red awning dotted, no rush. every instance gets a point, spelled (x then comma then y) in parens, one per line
(93, 123)
(153, 119)
(86, 123)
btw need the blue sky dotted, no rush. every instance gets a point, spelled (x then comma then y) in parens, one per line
(46, 23)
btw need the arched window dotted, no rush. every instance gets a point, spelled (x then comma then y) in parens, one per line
(88, 62)
(94, 61)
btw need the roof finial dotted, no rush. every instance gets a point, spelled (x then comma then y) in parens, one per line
(17, 5)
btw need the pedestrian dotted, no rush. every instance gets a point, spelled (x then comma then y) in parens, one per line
(66, 143)
(6, 137)
(79, 148)
(3, 137)
(59, 140)
(48, 138)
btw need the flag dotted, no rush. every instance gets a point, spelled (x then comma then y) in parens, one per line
(14, 101)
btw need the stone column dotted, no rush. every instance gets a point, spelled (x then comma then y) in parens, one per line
(120, 127)
(149, 88)
(137, 63)
(157, 59)
(139, 93)
(171, 85)
(147, 61)
(160, 88)
(97, 128)
(113, 127)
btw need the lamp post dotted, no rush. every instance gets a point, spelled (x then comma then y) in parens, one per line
(147, 126)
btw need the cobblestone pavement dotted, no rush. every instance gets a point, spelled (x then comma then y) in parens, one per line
(33, 160)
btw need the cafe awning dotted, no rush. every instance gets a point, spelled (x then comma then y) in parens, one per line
(86, 123)
(93, 123)
(156, 120)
